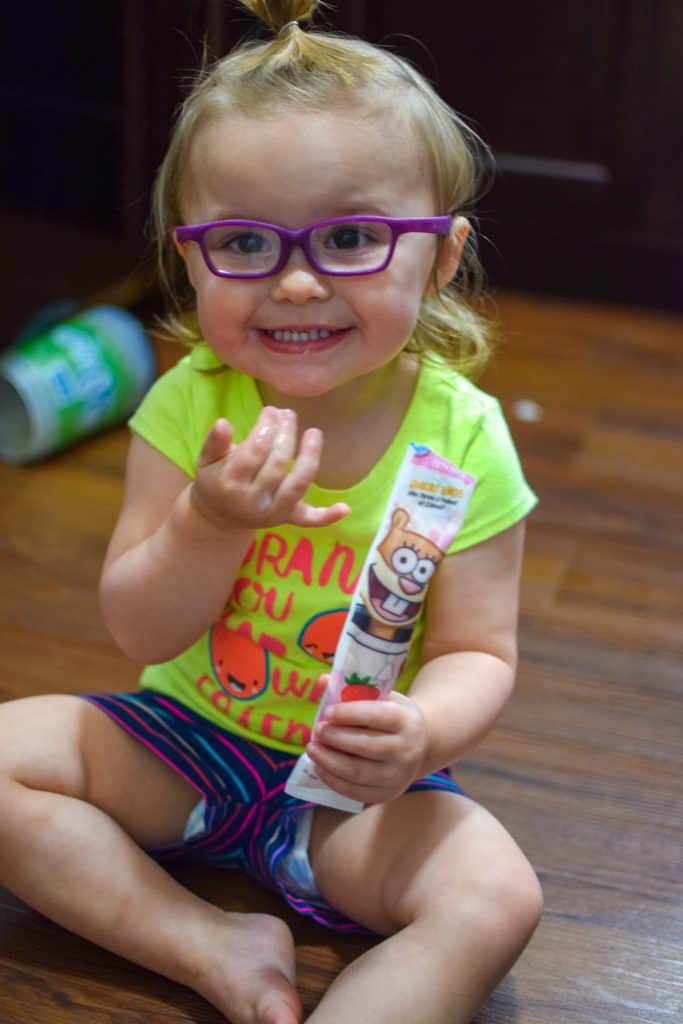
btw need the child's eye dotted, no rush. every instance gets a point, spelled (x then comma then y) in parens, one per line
(248, 243)
(349, 236)
(236, 242)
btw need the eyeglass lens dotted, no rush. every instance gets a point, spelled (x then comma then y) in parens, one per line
(247, 249)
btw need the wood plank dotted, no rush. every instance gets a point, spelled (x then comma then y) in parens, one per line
(585, 764)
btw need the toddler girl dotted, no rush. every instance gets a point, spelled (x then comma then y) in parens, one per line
(310, 226)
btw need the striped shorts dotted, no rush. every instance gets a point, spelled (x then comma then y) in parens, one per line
(244, 818)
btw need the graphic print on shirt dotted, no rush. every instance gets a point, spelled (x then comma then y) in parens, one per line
(275, 634)
(239, 664)
(278, 634)
(320, 635)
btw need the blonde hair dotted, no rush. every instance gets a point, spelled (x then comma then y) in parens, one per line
(316, 70)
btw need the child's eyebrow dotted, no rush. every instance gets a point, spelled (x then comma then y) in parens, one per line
(362, 201)
(330, 212)
(356, 209)
(229, 214)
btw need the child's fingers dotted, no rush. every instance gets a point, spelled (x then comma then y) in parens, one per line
(294, 485)
(352, 777)
(276, 465)
(276, 484)
(312, 515)
(304, 470)
(261, 468)
(251, 454)
(217, 443)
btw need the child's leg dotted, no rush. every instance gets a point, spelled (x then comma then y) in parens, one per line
(443, 879)
(77, 794)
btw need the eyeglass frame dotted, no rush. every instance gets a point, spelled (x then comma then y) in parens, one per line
(290, 237)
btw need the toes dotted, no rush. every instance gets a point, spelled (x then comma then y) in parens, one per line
(251, 978)
(281, 1008)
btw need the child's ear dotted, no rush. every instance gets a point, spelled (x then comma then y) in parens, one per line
(179, 245)
(451, 253)
(182, 252)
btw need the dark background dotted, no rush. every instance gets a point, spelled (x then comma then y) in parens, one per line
(582, 103)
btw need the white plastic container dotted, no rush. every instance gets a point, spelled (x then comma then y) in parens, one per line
(72, 380)
(426, 509)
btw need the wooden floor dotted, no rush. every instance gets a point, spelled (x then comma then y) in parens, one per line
(585, 765)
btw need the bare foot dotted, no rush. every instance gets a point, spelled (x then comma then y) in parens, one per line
(249, 972)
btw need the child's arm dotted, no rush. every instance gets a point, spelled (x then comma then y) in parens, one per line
(373, 750)
(179, 543)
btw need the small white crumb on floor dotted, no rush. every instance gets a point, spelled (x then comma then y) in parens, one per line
(527, 410)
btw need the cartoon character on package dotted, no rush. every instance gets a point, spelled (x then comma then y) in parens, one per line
(425, 511)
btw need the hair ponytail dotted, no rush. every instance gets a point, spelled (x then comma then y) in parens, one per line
(275, 14)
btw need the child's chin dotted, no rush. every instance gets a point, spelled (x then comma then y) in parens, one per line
(299, 384)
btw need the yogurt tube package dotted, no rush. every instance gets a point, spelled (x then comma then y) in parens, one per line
(425, 511)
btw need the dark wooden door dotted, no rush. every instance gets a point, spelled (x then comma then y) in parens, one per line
(582, 104)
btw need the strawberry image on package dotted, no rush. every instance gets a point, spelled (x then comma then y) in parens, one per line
(426, 509)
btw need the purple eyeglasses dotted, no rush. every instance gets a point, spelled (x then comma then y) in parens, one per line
(341, 246)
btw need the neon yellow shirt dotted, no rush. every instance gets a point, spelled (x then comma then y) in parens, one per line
(255, 672)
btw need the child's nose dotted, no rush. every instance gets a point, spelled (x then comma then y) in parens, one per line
(298, 282)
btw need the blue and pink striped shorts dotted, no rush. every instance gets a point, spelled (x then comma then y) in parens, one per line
(244, 818)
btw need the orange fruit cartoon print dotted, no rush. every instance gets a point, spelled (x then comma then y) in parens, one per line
(320, 635)
(240, 665)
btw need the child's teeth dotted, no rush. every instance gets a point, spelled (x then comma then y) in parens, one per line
(395, 605)
(300, 335)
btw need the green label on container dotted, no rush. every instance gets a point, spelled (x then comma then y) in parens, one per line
(89, 384)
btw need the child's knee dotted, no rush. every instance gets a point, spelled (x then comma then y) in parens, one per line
(515, 902)
(502, 901)
(39, 745)
(482, 880)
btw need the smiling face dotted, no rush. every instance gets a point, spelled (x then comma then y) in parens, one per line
(301, 333)
(398, 578)
(239, 664)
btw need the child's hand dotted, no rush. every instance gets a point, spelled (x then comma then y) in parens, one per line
(254, 484)
(370, 750)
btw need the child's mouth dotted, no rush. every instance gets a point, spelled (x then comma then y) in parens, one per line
(314, 335)
(297, 340)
